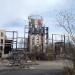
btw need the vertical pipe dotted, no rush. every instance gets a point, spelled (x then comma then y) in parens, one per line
(42, 42)
(64, 46)
(16, 39)
(61, 38)
(13, 40)
(28, 44)
(24, 38)
(52, 41)
(46, 38)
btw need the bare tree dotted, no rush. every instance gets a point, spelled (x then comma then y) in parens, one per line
(66, 20)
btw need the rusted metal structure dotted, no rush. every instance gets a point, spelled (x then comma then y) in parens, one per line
(37, 34)
(58, 45)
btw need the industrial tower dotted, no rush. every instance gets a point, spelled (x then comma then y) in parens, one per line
(37, 34)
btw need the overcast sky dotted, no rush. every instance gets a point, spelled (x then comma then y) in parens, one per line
(14, 13)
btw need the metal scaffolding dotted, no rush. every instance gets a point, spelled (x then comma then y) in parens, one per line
(37, 32)
(58, 42)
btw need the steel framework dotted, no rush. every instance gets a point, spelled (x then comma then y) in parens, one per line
(58, 39)
(31, 31)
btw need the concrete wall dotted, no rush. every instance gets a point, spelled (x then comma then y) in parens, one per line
(2, 41)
